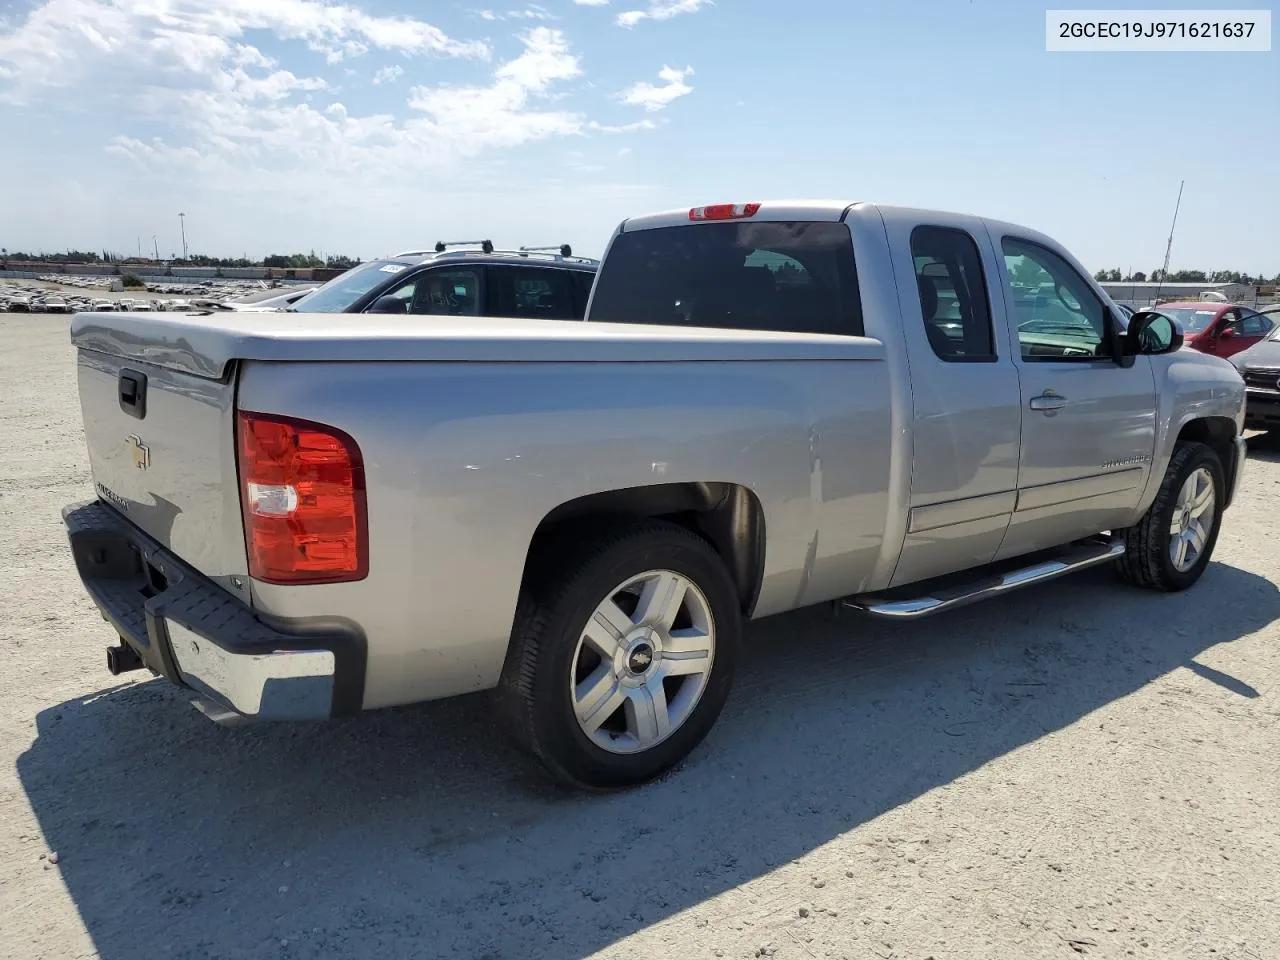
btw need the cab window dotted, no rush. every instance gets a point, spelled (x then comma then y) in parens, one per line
(953, 294)
(1058, 316)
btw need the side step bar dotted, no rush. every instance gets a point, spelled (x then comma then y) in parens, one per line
(1078, 556)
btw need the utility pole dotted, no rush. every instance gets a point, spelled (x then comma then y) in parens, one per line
(182, 225)
(156, 246)
(1164, 271)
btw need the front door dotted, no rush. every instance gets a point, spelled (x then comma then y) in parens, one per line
(1239, 330)
(1088, 424)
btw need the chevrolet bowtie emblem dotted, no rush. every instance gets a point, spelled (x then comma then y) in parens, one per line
(141, 452)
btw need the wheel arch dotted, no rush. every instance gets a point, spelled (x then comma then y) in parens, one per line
(727, 515)
(1219, 434)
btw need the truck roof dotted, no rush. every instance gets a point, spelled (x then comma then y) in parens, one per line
(831, 211)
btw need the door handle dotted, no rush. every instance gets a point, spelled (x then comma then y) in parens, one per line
(1048, 401)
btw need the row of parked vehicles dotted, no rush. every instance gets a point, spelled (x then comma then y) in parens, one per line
(577, 481)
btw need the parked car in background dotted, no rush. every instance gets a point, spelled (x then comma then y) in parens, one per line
(268, 300)
(483, 282)
(1222, 329)
(1260, 367)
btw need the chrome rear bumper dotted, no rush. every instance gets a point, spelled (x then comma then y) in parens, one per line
(188, 629)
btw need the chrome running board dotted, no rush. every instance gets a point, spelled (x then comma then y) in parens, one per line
(1076, 556)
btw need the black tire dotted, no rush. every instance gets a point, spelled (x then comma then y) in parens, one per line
(1146, 561)
(566, 582)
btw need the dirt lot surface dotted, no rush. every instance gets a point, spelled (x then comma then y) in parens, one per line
(1081, 769)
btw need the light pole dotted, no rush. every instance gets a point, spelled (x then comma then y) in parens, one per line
(182, 225)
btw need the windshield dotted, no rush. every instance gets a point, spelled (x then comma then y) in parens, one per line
(342, 291)
(1192, 321)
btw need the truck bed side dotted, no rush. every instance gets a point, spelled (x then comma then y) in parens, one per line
(464, 461)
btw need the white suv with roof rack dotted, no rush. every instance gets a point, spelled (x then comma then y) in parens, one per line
(463, 278)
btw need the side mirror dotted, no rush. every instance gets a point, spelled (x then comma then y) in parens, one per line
(1226, 333)
(389, 305)
(1152, 333)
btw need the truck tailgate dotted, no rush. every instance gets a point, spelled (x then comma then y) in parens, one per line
(161, 446)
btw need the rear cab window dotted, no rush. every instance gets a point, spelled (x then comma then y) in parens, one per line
(788, 276)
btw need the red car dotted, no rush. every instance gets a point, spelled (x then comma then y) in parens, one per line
(1218, 328)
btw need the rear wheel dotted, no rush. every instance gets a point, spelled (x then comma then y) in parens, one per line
(1169, 548)
(622, 655)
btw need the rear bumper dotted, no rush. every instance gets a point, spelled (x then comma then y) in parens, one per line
(197, 635)
(1262, 409)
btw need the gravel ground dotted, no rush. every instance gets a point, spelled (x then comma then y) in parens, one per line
(1080, 769)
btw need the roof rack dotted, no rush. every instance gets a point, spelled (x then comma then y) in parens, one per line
(486, 246)
(564, 250)
(561, 252)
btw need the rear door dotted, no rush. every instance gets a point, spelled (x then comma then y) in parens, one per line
(161, 447)
(1088, 424)
(965, 397)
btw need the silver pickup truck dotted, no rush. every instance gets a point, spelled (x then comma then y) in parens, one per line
(768, 406)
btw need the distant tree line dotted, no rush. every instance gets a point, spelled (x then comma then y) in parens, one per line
(341, 262)
(1183, 276)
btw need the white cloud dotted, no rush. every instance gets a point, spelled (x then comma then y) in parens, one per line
(532, 12)
(654, 97)
(622, 128)
(61, 43)
(231, 114)
(661, 10)
(591, 3)
(207, 98)
(498, 114)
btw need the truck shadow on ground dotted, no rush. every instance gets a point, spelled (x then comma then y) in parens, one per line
(1265, 446)
(419, 832)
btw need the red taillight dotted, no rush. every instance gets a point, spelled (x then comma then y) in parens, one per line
(303, 502)
(725, 211)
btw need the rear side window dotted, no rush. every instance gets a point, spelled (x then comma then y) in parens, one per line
(530, 292)
(581, 290)
(788, 276)
(953, 294)
(1255, 325)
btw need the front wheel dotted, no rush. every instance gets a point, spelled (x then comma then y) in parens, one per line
(1169, 548)
(622, 655)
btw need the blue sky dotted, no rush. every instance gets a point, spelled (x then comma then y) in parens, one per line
(365, 126)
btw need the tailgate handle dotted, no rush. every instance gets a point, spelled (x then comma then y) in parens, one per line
(133, 393)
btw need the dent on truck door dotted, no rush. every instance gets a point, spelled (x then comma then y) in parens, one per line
(1088, 424)
(965, 414)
